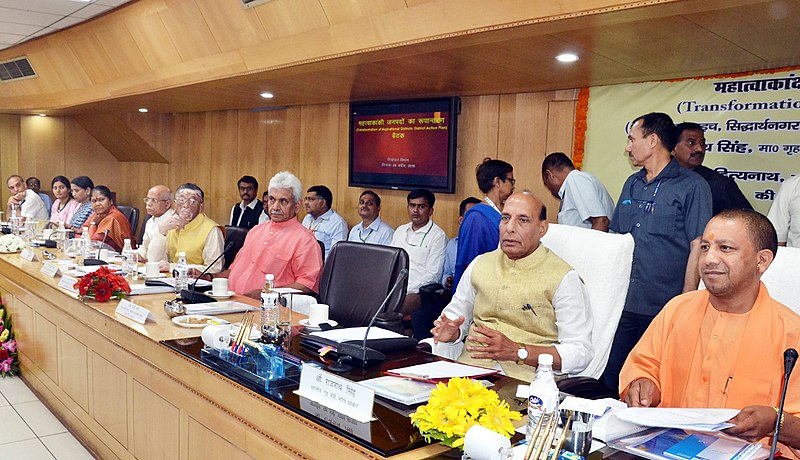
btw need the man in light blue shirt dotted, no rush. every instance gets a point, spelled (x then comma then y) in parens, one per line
(371, 229)
(451, 250)
(585, 202)
(325, 223)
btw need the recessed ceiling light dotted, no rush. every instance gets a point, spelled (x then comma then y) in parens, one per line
(42, 115)
(267, 95)
(567, 57)
(143, 110)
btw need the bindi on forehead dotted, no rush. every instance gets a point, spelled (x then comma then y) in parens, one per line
(710, 237)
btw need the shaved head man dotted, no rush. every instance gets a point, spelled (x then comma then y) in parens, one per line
(158, 205)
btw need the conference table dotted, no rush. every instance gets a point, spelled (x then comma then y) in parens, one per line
(129, 390)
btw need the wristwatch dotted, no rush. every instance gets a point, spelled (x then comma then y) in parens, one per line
(522, 354)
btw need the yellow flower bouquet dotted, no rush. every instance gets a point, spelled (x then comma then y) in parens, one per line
(454, 408)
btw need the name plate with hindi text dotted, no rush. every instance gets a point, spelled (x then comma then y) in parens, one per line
(67, 282)
(133, 312)
(337, 393)
(48, 269)
(28, 254)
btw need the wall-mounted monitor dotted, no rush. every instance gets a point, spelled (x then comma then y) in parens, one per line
(403, 145)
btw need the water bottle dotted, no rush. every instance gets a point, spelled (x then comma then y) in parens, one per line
(130, 266)
(85, 251)
(269, 310)
(181, 274)
(543, 395)
(15, 222)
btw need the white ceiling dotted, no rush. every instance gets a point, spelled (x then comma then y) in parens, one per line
(22, 20)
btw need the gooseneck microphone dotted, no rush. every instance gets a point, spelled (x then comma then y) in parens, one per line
(789, 359)
(189, 295)
(362, 354)
(98, 261)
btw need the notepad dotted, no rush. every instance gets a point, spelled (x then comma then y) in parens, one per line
(404, 391)
(441, 371)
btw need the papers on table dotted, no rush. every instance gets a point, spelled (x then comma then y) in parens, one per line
(402, 390)
(678, 444)
(81, 270)
(171, 282)
(357, 333)
(441, 370)
(218, 308)
(696, 419)
(609, 427)
(141, 289)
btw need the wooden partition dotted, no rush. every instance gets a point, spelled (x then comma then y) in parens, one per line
(214, 149)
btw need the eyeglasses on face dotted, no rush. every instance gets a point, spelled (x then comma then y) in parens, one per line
(192, 201)
(149, 200)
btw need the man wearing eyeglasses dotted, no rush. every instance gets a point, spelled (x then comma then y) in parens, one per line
(189, 230)
(425, 242)
(479, 231)
(665, 208)
(246, 213)
(158, 205)
(280, 246)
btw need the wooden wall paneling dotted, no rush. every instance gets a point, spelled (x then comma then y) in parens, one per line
(9, 152)
(523, 134)
(251, 153)
(190, 163)
(282, 18)
(74, 369)
(122, 51)
(41, 148)
(338, 12)
(221, 190)
(189, 31)
(560, 127)
(154, 40)
(205, 444)
(87, 157)
(45, 348)
(319, 141)
(155, 425)
(93, 58)
(110, 398)
(69, 70)
(282, 149)
(346, 198)
(118, 138)
(232, 26)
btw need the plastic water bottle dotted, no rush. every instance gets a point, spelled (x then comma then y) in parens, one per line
(269, 310)
(181, 273)
(86, 246)
(543, 396)
(130, 266)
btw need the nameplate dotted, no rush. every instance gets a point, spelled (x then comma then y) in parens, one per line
(28, 255)
(133, 312)
(337, 419)
(49, 269)
(67, 282)
(337, 393)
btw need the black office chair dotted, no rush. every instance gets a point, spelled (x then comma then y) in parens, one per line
(322, 248)
(132, 214)
(140, 237)
(355, 280)
(434, 297)
(237, 236)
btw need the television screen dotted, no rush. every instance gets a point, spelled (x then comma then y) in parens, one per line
(404, 144)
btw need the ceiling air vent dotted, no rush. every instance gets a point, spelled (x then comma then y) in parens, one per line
(16, 69)
(252, 3)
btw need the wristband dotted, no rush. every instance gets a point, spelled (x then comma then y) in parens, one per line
(777, 411)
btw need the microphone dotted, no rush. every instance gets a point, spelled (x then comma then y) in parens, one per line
(189, 295)
(362, 354)
(789, 359)
(97, 261)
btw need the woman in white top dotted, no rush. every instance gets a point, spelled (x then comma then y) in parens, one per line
(63, 206)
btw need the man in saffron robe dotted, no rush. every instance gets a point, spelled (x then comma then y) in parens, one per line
(723, 346)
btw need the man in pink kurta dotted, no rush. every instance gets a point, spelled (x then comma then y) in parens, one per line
(280, 246)
(723, 347)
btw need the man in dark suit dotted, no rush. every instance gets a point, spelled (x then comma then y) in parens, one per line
(246, 213)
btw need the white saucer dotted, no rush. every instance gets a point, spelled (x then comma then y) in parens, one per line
(154, 277)
(224, 296)
(315, 327)
(205, 321)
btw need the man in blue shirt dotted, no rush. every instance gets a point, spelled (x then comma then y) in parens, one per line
(371, 229)
(325, 223)
(451, 250)
(480, 230)
(665, 208)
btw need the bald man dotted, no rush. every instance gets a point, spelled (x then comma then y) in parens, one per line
(519, 301)
(158, 204)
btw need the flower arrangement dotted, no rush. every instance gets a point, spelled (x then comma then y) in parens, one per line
(9, 363)
(454, 408)
(11, 243)
(102, 284)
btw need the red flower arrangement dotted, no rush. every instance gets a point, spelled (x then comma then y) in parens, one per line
(102, 284)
